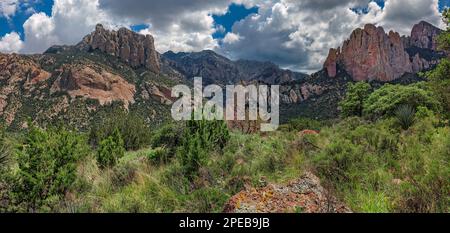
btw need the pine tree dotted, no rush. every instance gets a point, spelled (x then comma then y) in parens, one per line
(199, 139)
(47, 165)
(110, 150)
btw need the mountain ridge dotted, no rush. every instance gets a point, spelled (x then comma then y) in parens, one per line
(369, 55)
(133, 48)
(218, 69)
(122, 68)
(372, 54)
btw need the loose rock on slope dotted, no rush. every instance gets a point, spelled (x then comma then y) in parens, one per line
(304, 195)
(94, 83)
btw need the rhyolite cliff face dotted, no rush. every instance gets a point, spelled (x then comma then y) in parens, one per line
(423, 35)
(135, 49)
(372, 54)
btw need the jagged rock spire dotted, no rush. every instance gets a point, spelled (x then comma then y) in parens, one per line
(135, 49)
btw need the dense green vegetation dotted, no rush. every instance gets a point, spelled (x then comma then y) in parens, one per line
(373, 166)
(386, 100)
(110, 150)
(439, 82)
(46, 168)
(357, 94)
(199, 139)
(133, 129)
(379, 167)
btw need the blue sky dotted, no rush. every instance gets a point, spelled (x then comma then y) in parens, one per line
(235, 13)
(15, 23)
(443, 4)
(293, 34)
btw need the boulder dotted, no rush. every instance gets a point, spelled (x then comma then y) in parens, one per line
(305, 195)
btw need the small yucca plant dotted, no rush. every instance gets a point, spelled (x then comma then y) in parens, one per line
(405, 115)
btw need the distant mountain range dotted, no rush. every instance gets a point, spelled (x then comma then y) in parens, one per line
(217, 69)
(110, 68)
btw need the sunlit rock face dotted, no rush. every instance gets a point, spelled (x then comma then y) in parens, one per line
(135, 49)
(424, 35)
(372, 54)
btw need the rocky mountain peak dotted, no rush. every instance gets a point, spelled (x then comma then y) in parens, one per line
(372, 54)
(425, 35)
(135, 49)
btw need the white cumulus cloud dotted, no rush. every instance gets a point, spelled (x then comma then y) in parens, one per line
(11, 43)
(298, 34)
(231, 38)
(68, 23)
(176, 25)
(8, 7)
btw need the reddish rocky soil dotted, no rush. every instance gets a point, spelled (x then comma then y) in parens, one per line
(305, 195)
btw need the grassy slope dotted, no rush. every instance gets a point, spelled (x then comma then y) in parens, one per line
(373, 167)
